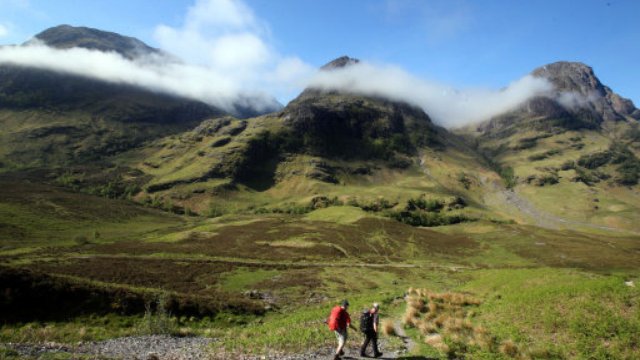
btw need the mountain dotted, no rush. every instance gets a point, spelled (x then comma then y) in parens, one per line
(580, 142)
(338, 63)
(579, 90)
(579, 101)
(51, 118)
(66, 37)
(323, 144)
(572, 155)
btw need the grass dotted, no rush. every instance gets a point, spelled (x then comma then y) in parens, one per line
(243, 278)
(337, 215)
(554, 283)
(565, 312)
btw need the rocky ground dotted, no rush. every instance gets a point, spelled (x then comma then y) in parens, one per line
(163, 347)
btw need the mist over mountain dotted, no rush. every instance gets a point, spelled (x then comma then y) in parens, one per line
(578, 100)
(449, 107)
(67, 37)
(577, 87)
(212, 188)
(114, 58)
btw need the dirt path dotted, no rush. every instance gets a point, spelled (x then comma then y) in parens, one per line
(161, 347)
(409, 344)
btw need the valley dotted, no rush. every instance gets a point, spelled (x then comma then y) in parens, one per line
(130, 215)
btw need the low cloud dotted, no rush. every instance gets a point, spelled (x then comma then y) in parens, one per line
(229, 62)
(157, 73)
(575, 100)
(220, 54)
(227, 37)
(447, 106)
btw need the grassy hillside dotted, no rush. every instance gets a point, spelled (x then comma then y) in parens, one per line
(264, 283)
(518, 242)
(580, 176)
(45, 124)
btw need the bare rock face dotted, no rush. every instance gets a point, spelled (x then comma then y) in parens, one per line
(339, 63)
(579, 90)
(65, 37)
(333, 123)
(579, 101)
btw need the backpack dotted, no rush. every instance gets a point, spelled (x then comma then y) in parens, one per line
(366, 321)
(332, 321)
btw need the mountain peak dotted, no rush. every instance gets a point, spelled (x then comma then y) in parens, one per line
(67, 36)
(579, 89)
(571, 76)
(339, 63)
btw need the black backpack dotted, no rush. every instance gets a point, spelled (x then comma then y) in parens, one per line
(366, 321)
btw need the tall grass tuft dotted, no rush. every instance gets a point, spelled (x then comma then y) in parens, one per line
(445, 321)
(157, 319)
(388, 328)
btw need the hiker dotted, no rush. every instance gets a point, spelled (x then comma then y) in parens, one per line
(369, 326)
(338, 322)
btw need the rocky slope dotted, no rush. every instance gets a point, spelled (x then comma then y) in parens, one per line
(66, 37)
(579, 101)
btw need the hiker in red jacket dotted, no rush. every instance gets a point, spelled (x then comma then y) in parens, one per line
(338, 322)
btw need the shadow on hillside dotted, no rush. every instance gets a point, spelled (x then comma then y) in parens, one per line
(260, 177)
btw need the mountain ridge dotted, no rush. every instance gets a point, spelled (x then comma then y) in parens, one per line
(67, 36)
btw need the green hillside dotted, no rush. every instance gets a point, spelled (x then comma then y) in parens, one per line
(125, 213)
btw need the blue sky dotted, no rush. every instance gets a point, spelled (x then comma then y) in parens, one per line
(461, 43)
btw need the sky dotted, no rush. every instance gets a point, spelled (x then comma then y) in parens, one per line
(272, 46)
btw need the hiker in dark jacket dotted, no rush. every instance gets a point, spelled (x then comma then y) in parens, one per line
(338, 321)
(370, 330)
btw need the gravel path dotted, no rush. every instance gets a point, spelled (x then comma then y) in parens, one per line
(133, 347)
(163, 347)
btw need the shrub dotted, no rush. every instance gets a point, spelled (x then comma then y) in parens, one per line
(157, 319)
(430, 205)
(547, 179)
(544, 155)
(595, 160)
(585, 177)
(70, 180)
(526, 143)
(377, 205)
(464, 180)
(508, 176)
(568, 165)
(457, 202)
(423, 218)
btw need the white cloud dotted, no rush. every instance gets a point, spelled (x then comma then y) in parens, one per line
(226, 37)
(230, 61)
(447, 106)
(228, 14)
(4, 30)
(158, 73)
(575, 100)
